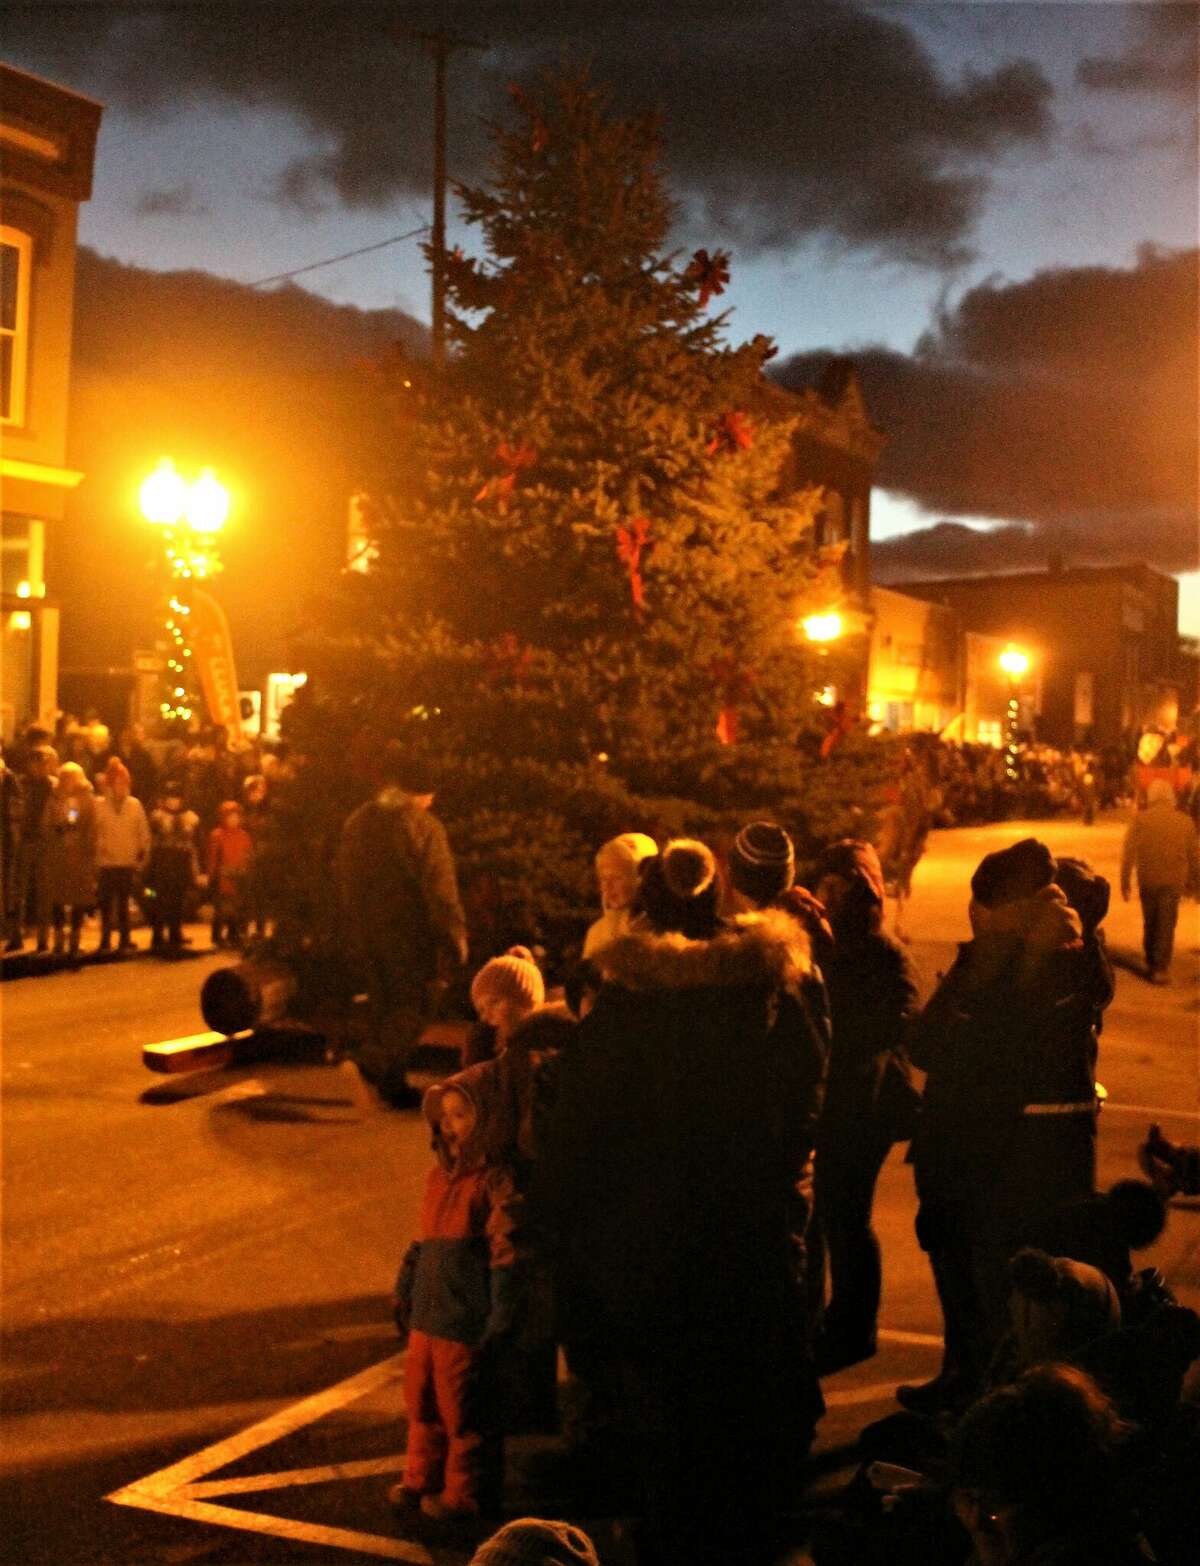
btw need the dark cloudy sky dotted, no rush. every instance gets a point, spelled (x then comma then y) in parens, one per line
(889, 177)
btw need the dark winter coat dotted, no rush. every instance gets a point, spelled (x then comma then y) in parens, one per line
(398, 888)
(174, 866)
(69, 832)
(686, 1110)
(872, 990)
(1007, 1042)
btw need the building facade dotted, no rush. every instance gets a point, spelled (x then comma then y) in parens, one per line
(1103, 643)
(47, 151)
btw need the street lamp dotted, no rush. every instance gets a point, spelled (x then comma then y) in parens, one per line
(824, 627)
(189, 515)
(1015, 663)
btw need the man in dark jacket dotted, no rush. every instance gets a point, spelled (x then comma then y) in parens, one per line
(872, 1000)
(405, 923)
(1008, 1124)
(686, 1112)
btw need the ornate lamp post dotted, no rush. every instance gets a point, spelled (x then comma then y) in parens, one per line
(188, 516)
(1014, 661)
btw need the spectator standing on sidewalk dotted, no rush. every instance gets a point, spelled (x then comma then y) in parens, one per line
(230, 862)
(405, 922)
(69, 828)
(12, 815)
(173, 867)
(1160, 844)
(684, 1118)
(122, 852)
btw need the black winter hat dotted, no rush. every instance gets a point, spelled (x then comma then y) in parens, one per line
(678, 889)
(762, 862)
(1013, 873)
(1087, 892)
(412, 773)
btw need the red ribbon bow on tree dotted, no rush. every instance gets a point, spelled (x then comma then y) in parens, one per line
(709, 273)
(733, 432)
(734, 683)
(511, 459)
(632, 541)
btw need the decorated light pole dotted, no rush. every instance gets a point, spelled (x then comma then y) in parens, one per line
(1014, 661)
(188, 516)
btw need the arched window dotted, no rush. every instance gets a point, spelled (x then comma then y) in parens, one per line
(16, 266)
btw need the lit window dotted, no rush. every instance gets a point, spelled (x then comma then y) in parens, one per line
(16, 255)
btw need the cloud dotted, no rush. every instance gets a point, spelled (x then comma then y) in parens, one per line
(1162, 54)
(1066, 402)
(170, 201)
(783, 122)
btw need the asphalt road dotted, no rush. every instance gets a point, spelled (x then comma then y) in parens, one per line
(186, 1260)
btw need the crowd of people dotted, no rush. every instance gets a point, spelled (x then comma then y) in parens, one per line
(94, 824)
(670, 1176)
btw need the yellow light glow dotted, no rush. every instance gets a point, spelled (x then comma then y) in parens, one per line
(20, 620)
(825, 627)
(207, 503)
(24, 590)
(1014, 661)
(163, 495)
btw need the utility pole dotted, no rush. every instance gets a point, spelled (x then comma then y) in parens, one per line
(441, 45)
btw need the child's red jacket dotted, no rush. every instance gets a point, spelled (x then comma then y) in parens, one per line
(456, 1280)
(230, 850)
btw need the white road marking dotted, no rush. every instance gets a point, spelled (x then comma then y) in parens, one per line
(179, 1490)
(247, 1484)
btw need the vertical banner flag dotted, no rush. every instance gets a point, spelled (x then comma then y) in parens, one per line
(212, 648)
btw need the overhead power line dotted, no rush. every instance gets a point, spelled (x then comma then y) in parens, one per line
(281, 277)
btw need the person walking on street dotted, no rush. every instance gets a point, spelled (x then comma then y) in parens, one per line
(122, 851)
(399, 895)
(1160, 844)
(69, 828)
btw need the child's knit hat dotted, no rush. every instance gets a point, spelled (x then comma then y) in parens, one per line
(531, 1541)
(513, 977)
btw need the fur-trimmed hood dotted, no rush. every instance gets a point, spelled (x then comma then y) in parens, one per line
(767, 948)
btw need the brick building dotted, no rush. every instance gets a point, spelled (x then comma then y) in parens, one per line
(47, 145)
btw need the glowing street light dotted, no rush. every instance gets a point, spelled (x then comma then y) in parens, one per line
(163, 495)
(825, 627)
(207, 503)
(1014, 661)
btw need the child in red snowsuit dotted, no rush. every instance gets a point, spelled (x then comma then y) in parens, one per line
(230, 850)
(455, 1290)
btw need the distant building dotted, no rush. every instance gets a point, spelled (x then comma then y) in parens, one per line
(838, 447)
(47, 149)
(914, 678)
(1104, 644)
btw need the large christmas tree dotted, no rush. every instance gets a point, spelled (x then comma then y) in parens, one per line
(590, 565)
